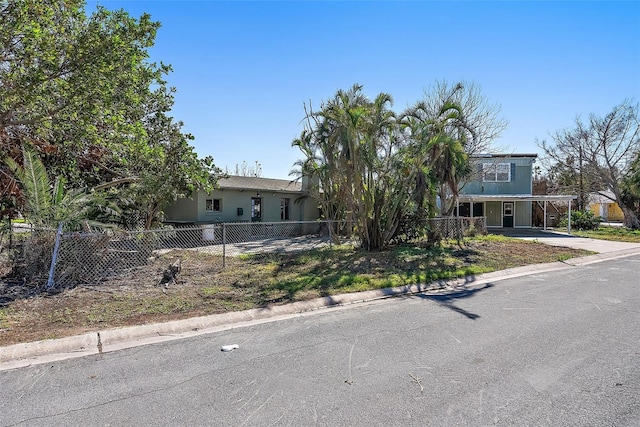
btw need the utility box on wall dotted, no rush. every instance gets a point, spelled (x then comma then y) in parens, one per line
(240, 211)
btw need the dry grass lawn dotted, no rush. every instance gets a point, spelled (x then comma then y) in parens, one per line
(28, 314)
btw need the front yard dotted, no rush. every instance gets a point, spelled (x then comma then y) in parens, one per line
(249, 282)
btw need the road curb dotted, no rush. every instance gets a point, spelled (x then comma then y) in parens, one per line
(25, 354)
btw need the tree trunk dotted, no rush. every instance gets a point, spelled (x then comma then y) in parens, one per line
(630, 218)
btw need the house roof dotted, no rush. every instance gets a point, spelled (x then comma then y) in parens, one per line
(606, 196)
(259, 184)
(515, 198)
(504, 155)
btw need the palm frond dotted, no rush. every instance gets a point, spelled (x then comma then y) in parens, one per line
(34, 180)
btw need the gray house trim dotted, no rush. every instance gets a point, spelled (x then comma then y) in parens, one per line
(515, 198)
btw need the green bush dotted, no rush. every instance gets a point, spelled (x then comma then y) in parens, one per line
(582, 220)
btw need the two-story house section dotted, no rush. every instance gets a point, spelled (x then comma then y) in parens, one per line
(500, 189)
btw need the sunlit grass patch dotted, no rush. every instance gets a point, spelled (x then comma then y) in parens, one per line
(619, 234)
(4, 318)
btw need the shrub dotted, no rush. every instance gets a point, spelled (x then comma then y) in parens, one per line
(582, 220)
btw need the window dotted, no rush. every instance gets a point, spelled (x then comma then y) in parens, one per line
(496, 172)
(213, 205)
(256, 209)
(284, 208)
(508, 208)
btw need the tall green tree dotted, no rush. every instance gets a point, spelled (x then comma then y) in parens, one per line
(165, 169)
(439, 141)
(70, 81)
(81, 90)
(373, 169)
(350, 149)
(631, 186)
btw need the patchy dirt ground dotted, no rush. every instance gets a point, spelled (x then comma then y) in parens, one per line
(27, 313)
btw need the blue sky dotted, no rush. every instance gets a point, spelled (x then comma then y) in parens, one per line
(244, 69)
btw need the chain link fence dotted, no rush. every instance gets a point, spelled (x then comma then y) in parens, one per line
(64, 259)
(433, 230)
(82, 258)
(456, 228)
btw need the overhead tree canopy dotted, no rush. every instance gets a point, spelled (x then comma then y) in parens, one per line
(80, 89)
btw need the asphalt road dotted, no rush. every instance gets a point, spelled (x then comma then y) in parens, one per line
(551, 349)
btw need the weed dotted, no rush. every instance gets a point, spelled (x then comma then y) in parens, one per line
(4, 318)
(258, 281)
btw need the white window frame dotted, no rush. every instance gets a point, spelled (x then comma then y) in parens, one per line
(507, 208)
(492, 172)
(209, 205)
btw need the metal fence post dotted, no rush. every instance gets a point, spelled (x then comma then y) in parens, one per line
(224, 245)
(52, 269)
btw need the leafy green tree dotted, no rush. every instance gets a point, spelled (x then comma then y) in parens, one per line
(381, 170)
(374, 170)
(439, 141)
(72, 83)
(80, 89)
(631, 186)
(350, 148)
(173, 170)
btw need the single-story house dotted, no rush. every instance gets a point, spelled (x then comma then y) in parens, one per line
(603, 204)
(244, 199)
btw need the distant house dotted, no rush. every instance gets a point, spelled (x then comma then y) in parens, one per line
(241, 198)
(603, 204)
(501, 189)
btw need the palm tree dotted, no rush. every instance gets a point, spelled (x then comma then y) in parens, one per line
(347, 145)
(373, 174)
(45, 202)
(439, 146)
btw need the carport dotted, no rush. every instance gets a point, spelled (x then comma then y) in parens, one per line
(511, 198)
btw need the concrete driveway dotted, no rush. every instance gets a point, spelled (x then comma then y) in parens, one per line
(555, 238)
